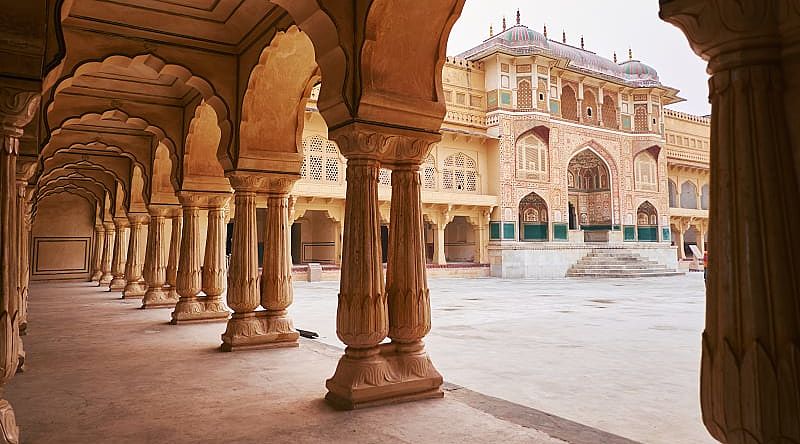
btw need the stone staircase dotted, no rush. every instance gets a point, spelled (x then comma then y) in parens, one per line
(618, 263)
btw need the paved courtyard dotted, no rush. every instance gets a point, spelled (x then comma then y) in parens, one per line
(619, 355)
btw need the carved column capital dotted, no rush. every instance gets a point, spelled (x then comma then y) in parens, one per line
(138, 218)
(109, 226)
(261, 182)
(121, 222)
(392, 146)
(160, 210)
(218, 201)
(729, 33)
(17, 108)
(190, 199)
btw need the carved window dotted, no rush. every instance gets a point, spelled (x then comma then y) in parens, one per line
(385, 177)
(429, 173)
(460, 173)
(321, 161)
(673, 195)
(646, 169)
(688, 195)
(569, 104)
(524, 94)
(532, 158)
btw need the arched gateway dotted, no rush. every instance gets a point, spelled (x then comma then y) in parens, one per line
(533, 218)
(590, 197)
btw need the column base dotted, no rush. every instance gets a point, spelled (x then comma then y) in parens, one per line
(105, 279)
(158, 298)
(117, 284)
(9, 432)
(261, 329)
(95, 276)
(388, 374)
(134, 290)
(196, 310)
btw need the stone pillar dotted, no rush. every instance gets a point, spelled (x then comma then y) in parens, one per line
(243, 294)
(17, 108)
(26, 192)
(189, 279)
(482, 240)
(370, 373)
(215, 272)
(701, 238)
(120, 254)
(108, 253)
(272, 327)
(337, 243)
(438, 245)
(679, 242)
(134, 286)
(407, 287)
(155, 262)
(174, 253)
(276, 278)
(750, 368)
(97, 259)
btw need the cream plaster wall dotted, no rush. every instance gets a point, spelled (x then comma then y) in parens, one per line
(62, 238)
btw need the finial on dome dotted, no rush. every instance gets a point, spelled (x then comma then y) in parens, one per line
(491, 31)
(504, 23)
(581, 42)
(630, 54)
(545, 30)
(564, 36)
(615, 56)
(518, 18)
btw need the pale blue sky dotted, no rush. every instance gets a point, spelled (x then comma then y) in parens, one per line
(607, 26)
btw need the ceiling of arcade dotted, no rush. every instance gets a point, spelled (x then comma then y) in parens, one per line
(184, 91)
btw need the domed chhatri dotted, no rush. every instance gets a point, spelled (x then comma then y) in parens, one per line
(521, 34)
(636, 70)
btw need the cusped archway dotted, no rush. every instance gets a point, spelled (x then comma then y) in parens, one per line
(533, 218)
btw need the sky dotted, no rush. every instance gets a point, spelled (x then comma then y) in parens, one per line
(607, 26)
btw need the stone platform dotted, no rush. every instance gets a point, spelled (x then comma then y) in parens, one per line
(101, 370)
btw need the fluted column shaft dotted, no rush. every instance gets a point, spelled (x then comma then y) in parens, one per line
(24, 208)
(276, 277)
(108, 252)
(212, 279)
(243, 294)
(750, 369)
(134, 287)
(174, 253)
(155, 263)
(122, 227)
(97, 260)
(215, 272)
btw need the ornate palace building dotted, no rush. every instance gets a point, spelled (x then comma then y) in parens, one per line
(548, 150)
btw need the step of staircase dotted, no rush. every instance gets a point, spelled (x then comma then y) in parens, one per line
(608, 263)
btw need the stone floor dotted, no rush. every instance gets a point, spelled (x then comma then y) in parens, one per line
(618, 355)
(100, 370)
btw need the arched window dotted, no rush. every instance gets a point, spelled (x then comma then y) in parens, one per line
(688, 195)
(640, 118)
(429, 173)
(589, 107)
(532, 158)
(646, 171)
(673, 194)
(704, 197)
(320, 160)
(460, 173)
(569, 104)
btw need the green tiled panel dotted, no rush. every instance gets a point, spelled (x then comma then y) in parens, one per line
(555, 106)
(647, 234)
(596, 227)
(626, 122)
(536, 232)
(665, 234)
(560, 231)
(616, 228)
(629, 233)
(505, 97)
(509, 231)
(494, 230)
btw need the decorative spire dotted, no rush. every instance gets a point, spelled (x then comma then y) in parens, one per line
(545, 30)
(581, 42)
(630, 54)
(564, 36)
(519, 21)
(504, 23)
(491, 31)
(615, 56)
